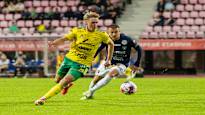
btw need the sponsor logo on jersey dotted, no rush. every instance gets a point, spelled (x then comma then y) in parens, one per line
(124, 42)
(117, 44)
(124, 47)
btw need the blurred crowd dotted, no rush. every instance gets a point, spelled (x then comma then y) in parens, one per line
(106, 9)
(161, 7)
(19, 66)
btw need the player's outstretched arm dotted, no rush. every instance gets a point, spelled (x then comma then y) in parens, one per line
(57, 42)
(109, 52)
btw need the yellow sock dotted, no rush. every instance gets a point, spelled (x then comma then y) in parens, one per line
(53, 91)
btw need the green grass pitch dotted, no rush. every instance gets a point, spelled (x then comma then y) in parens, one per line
(155, 96)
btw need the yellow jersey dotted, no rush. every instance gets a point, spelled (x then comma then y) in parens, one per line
(85, 44)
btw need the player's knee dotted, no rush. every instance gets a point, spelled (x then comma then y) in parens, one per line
(66, 80)
(113, 72)
(57, 80)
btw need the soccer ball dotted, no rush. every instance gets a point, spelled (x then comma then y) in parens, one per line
(128, 88)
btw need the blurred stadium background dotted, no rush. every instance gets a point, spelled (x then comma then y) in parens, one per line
(171, 33)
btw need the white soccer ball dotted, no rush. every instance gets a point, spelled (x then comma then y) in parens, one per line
(128, 88)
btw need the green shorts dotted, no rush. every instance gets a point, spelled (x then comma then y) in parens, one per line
(72, 68)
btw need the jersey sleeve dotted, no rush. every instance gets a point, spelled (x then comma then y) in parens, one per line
(72, 34)
(138, 48)
(105, 38)
(102, 46)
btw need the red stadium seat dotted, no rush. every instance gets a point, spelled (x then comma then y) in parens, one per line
(61, 3)
(36, 3)
(66, 29)
(2, 17)
(39, 9)
(200, 34)
(64, 23)
(158, 28)
(185, 28)
(154, 35)
(184, 1)
(6, 31)
(81, 23)
(47, 23)
(37, 22)
(17, 16)
(59, 30)
(24, 30)
(47, 9)
(29, 23)
(180, 7)
(103, 28)
(28, 3)
(181, 34)
(2, 4)
(74, 8)
(202, 14)
(100, 23)
(31, 30)
(198, 7)
(193, 1)
(172, 34)
(73, 23)
(185, 14)
(167, 14)
(108, 22)
(167, 28)
(53, 3)
(201, 1)
(199, 21)
(21, 23)
(190, 21)
(64, 9)
(194, 14)
(9, 17)
(4, 24)
(176, 28)
(189, 7)
(194, 28)
(191, 34)
(55, 23)
(176, 14)
(162, 34)
(202, 28)
(180, 22)
(44, 3)
(71, 3)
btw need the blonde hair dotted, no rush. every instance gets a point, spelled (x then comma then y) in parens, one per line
(91, 14)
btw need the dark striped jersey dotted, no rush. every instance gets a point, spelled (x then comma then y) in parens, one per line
(122, 50)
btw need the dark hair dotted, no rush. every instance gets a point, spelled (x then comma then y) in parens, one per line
(114, 26)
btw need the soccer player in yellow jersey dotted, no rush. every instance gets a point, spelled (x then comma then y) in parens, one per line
(85, 42)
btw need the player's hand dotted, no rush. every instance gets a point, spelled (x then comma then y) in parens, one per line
(51, 44)
(107, 63)
(136, 69)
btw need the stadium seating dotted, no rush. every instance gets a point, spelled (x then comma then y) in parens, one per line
(189, 17)
(59, 26)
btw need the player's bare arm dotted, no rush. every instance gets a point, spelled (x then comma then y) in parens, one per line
(57, 42)
(109, 53)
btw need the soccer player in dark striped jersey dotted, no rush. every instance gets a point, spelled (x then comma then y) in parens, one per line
(120, 61)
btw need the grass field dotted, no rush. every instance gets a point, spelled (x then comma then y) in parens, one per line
(155, 96)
